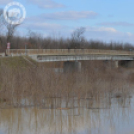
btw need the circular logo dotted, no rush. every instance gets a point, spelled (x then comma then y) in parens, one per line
(14, 13)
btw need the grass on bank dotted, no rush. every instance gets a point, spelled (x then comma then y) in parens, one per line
(17, 61)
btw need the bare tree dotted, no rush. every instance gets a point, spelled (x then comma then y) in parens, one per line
(35, 39)
(10, 31)
(77, 37)
(10, 28)
(1, 26)
(1, 12)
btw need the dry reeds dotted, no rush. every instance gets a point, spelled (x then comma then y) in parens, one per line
(40, 83)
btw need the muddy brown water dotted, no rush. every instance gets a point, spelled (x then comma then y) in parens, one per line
(113, 115)
(38, 101)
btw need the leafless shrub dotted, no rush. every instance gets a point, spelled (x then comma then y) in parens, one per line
(40, 83)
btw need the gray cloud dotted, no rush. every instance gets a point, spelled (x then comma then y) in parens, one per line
(46, 3)
(44, 26)
(3, 2)
(68, 15)
(102, 29)
(116, 24)
(47, 29)
(108, 34)
(71, 15)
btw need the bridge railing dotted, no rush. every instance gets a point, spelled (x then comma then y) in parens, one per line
(66, 52)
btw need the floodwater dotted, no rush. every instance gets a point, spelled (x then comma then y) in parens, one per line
(97, 100)
(113, 115)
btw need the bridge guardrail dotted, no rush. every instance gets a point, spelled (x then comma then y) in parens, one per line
(66, 52)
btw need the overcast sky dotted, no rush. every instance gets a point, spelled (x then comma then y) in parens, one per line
(105, 20)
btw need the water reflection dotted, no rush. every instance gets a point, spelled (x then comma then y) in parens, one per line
(98, 100)
(75, 116)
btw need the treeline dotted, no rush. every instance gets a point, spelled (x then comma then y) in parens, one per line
(50, 43)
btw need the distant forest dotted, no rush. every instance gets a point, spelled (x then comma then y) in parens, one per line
(37, 42)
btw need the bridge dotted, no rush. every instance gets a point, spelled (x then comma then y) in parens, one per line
(72, 57)
(48, 55)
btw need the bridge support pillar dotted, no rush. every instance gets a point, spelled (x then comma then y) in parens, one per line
(116, 64)
(72, 66)
(127, 63)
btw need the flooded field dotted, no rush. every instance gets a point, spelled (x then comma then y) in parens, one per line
(84, 116)
(37, 100)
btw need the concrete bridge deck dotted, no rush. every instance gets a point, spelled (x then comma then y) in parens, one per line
(45, 55)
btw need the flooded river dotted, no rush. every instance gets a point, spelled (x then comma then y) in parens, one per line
(58, 116)
(37, 100)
